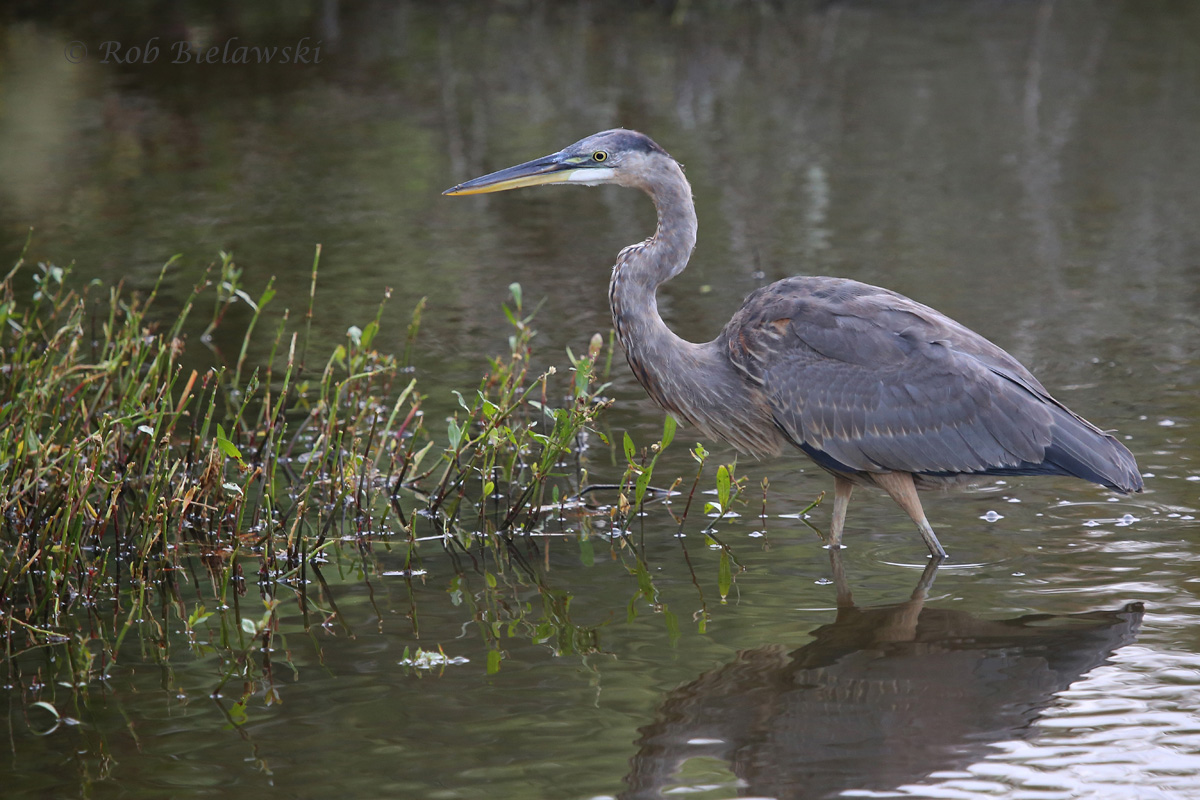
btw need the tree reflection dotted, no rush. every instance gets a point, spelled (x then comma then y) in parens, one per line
(880, 698)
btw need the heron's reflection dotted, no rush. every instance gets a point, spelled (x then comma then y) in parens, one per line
(881, 697)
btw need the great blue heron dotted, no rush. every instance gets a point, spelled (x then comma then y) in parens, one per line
(876, 388)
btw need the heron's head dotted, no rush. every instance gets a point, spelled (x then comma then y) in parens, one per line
(618, 156)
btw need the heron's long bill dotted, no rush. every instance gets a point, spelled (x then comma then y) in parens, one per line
(556, 168)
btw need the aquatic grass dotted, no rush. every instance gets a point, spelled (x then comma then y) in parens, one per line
(158, 494)
(124, 471)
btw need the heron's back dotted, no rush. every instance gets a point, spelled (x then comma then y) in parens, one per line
(866, 380)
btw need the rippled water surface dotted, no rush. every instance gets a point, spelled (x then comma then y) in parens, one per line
(1028, 168)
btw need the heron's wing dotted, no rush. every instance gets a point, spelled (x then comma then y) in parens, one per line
(876, 381)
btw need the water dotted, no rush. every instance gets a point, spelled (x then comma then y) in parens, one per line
(1027, 168)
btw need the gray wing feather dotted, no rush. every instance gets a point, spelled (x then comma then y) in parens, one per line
(880, 382)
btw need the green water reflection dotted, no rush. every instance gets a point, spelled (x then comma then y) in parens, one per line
(1027, 168)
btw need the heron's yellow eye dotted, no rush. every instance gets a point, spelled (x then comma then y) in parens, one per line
(599, 156)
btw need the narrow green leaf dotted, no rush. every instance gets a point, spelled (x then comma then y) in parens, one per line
(723, 484)
(420, 455)
(368, 334)
(630, 450)
(668, 431)
(225, 446)
(493, 662)
(196, 615)
(724, 575)
(643, 482)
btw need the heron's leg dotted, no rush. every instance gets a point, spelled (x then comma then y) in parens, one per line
(842, 489)
(900, 486)
(845, 599)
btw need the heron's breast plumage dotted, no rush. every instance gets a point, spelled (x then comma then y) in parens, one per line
(696, 383)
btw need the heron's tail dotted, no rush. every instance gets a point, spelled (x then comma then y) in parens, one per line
(1081, 449)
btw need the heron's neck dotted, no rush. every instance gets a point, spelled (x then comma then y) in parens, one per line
(641, 268)
(655, 353)
(665, 254)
